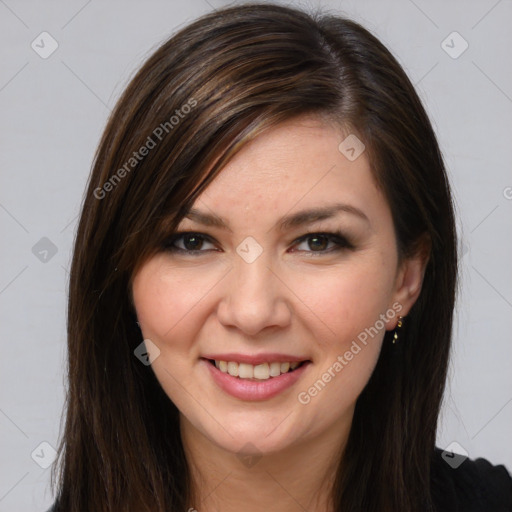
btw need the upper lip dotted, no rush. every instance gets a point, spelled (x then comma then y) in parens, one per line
(255, 359)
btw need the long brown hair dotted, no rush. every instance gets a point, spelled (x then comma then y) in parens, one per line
(195, 102)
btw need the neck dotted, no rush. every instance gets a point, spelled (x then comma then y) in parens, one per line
(296, 478)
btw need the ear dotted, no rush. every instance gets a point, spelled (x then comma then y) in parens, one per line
(409, 279)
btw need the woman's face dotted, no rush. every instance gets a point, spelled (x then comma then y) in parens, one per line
(291, 276)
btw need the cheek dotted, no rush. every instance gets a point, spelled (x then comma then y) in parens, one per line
(167, 298)
(347, 355)
(347, 299)
(348, 303)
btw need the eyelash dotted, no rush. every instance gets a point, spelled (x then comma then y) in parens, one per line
(341, 241)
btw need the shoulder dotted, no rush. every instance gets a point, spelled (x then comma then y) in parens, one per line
(473, 486)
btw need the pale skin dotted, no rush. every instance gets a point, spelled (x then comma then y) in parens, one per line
(297, 297)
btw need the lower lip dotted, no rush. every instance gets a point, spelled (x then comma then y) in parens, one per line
(253, 390)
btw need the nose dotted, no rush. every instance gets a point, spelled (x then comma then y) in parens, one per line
(254, 297)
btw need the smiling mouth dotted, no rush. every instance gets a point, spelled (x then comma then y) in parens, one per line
(259, 372)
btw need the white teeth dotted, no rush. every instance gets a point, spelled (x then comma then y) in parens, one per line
(275, 369)
(233, 369)
(260, 371)
(245, 371)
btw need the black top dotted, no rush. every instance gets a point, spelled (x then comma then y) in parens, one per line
(472, 486)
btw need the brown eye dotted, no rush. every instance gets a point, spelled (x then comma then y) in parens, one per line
(318, 242)
(190, 243)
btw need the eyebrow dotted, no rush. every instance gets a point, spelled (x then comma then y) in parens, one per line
(287, 222)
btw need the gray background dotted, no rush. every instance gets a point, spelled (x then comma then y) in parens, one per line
(53, 114)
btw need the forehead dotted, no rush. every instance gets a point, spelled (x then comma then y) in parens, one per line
(294, 165)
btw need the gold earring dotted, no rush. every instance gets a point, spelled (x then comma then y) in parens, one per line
(395, 337)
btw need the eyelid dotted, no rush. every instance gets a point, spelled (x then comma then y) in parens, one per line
(341, 240)
(168, 243)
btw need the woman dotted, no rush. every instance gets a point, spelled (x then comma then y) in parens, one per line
(263, 284)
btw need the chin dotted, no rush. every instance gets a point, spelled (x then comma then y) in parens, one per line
(255, 435)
